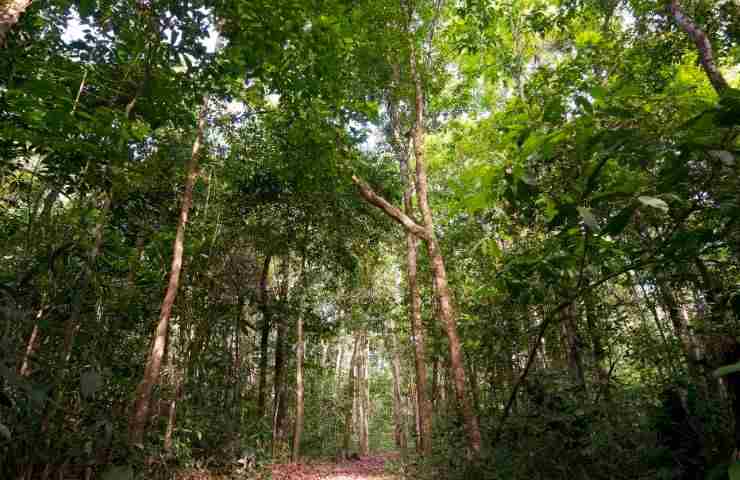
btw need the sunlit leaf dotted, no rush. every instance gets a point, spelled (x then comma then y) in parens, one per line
(654, 202)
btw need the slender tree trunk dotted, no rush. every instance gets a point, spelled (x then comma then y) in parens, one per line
(444, 296)
(31, 347)
(398, 420)
(703, 46)
(573, 345)
(298, 390)
(140, 414)
(349, 400)
(598, 354)
(10, 13)
(364, 395)
(730, 351)
(265, 336)
(171, 417)
(424, 445)
(279, 384)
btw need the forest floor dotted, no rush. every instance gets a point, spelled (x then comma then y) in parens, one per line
(365, 468)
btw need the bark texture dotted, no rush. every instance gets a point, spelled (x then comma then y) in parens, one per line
(439, 273)
(264, 335)
(298, 391)
(703, 45)
(140, 413)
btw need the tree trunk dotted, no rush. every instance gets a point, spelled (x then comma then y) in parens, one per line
(10, 13)
(444, 296)
(681, 330)
(573, 345)
(703, 46)
(298, 390)
(171, 417)
(363, 395)
(349, 401)
(265, 335)
(140, 414)
(398, 420)
(424, 445)
(279, 383)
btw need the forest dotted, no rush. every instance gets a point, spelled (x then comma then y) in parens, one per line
(370, 239)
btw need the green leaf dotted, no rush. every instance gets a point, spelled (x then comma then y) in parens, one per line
(733, 471)
(654, 202)
(119, 472)
(727, 370)
(90, 382)
(87, 7)
(588, 218)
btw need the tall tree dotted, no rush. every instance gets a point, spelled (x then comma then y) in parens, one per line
(142, 402)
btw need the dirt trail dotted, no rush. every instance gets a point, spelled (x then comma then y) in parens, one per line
(366, 468)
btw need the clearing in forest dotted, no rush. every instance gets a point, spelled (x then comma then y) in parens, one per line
(366, 468)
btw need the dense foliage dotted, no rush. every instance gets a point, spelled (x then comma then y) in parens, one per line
(500, 238)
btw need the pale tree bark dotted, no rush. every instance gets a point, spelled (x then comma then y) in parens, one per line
(140, 413)
(10, 13)
(398, 420)
(439, 273)
(363, 395)
(424, 445)
(264, 336)
(278, 412)
(298, 390)
(349, 397)
(703, 46)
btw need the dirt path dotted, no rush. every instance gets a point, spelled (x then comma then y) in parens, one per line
(366, 468)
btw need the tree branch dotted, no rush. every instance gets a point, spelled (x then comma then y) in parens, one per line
(391, 210)
(703, 45)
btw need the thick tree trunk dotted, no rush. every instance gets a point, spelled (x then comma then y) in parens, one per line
(140, 414)
(439, 273)
(298, 391)
(10, 13)
(264, 337)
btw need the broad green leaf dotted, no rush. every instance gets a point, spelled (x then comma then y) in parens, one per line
(654, 202)
(589, 218)
(727, 370)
